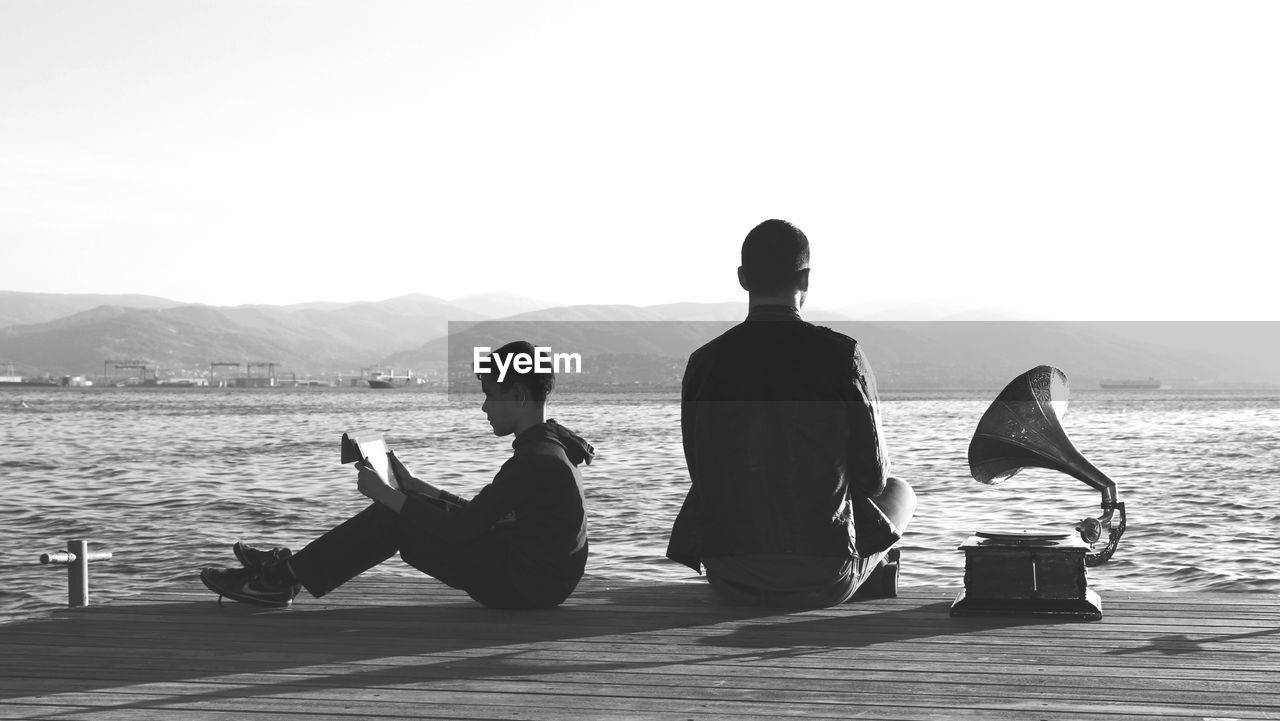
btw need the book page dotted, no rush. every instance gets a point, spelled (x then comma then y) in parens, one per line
(374, 452)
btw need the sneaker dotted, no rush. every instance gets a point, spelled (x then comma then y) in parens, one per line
(255, 559)
(248, 586)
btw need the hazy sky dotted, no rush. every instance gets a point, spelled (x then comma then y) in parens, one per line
(1074, 160)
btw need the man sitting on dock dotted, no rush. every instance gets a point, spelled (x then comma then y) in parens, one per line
(521, 542)
(790, 502)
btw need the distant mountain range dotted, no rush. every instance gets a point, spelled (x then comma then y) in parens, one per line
(55, 335)
(75, 334)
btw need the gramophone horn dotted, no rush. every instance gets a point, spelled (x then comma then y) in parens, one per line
(1023, 428)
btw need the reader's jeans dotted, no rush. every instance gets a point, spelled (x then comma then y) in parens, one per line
(377, 533)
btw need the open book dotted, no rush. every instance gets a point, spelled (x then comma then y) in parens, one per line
(371, 447)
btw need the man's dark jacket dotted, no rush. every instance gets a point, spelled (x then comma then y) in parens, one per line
(781, 430)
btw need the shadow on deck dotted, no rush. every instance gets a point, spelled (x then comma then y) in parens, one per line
(395, 644)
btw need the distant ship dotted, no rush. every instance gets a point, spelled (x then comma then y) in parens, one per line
(390, 380)
(1129, 384)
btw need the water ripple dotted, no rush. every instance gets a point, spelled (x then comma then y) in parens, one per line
(167, 480)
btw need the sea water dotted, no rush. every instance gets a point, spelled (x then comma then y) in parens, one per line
(167, 479)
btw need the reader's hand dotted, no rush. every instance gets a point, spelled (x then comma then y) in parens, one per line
(399, 470)
(408, 482)
(370, 484)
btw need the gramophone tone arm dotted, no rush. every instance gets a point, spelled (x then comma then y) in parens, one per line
(1109, 498)
(1113, 539)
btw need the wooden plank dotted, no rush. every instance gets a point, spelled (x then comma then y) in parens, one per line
(393, 647)
(671, 684)
(1043, 641)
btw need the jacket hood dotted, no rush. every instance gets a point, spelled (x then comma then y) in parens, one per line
(575, 447)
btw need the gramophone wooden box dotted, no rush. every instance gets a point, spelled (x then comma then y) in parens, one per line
(1029, 572)
(1026, 573)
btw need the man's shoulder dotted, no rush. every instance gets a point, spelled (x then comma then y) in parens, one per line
(538, 451)
(720, 341)
(541, 459)
(813, 339)
(830, 343)
(834, 337)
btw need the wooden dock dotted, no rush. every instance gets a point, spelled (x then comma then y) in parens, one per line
(400, 648)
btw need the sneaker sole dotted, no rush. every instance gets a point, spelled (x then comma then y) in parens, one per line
(238, 594)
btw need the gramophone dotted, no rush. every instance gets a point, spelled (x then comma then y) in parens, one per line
(1041, 573)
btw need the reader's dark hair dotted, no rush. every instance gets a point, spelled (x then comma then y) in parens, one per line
(539, 385)
(772, 254)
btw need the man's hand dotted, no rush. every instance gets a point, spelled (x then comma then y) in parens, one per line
(408, 481)
(400, 471)
(370, 484)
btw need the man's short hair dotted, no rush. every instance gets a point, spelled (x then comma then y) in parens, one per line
(539, 385)
(772, 254)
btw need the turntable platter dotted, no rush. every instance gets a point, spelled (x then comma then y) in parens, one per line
(1022, 536)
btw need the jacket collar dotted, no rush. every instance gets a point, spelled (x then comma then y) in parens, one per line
(773, 312)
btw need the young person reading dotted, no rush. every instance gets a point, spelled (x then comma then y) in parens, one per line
(521, 542)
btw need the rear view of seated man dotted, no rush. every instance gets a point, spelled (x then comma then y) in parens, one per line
(790, 500)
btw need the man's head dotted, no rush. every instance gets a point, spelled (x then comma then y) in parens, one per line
(518, 401)
(775, 261)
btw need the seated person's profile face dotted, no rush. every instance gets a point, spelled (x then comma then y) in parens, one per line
(501, 406)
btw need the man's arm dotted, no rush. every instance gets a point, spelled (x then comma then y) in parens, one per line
(510, 488)
(688, 419)
(412, 484)
(868, 459)
(684, 545)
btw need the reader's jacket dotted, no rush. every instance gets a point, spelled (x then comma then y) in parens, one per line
(781, 431)
(534, 507)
